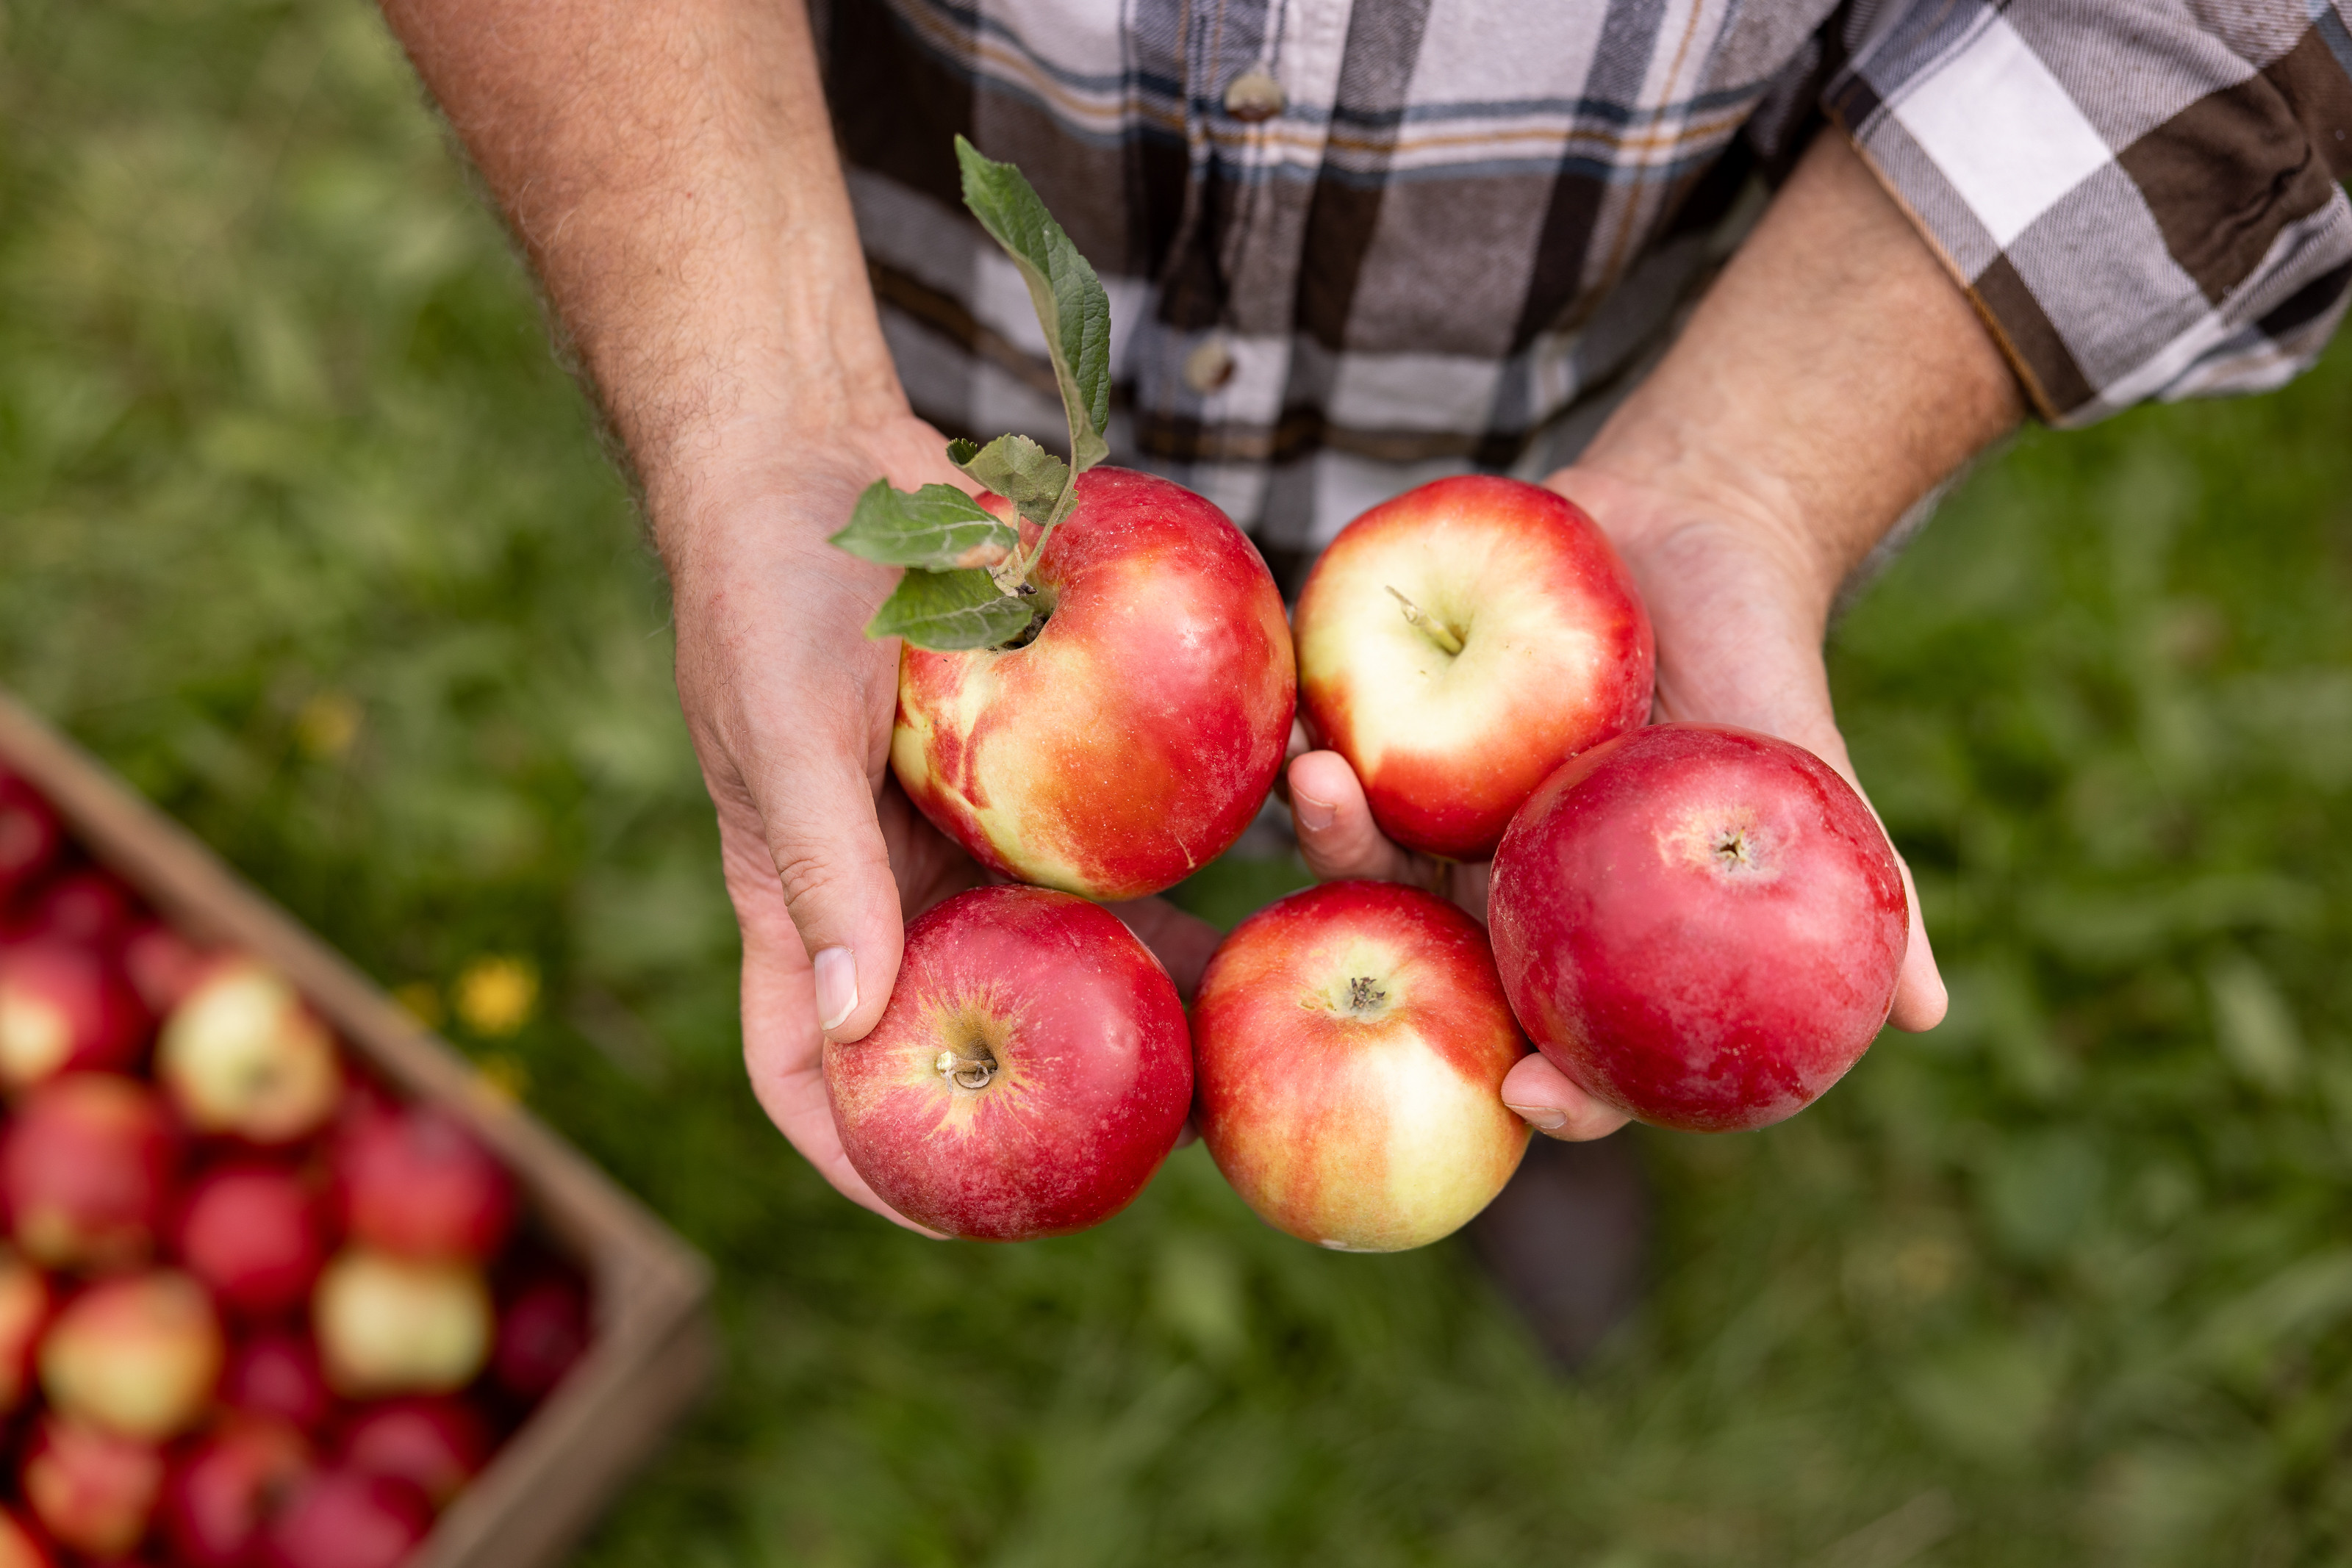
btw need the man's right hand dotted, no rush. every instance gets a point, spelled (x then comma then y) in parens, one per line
(790, 705)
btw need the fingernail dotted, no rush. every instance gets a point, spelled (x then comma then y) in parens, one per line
(836, 986)
(1542, 1118)
(1313, 815)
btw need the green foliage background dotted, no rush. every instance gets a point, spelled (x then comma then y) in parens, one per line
(2068, 1280)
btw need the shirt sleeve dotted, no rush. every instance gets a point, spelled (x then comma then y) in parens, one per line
(2141, 196)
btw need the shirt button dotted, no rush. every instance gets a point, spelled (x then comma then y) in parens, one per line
(1209, 365)
(1254, 95)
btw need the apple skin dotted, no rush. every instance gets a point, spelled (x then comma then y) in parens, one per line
(251, 1232)
(1557, 654)
(31, 838)
(219, 1497)
(1700, 925)
(343, 1519)
(276, 1374)
(1134, 740)
(64, 1008)
(85, 1171)
(92, 1490)
(19, 1547)
(138, 1355)
(162, 965)
(87, 908)
(23, 1314)
(415, 1181)
(243, 1056)
(543, 1335)
(1091, 1079)
(435, 1442)
(396, 1325)
(1362, 1118)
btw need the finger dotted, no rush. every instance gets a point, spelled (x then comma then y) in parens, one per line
(833, 866)
(783, 1050)
(1182, 942)
(1336, 832)
(1553, 1105)
(1920, 996)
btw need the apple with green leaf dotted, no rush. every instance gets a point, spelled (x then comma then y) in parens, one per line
(1096, 683)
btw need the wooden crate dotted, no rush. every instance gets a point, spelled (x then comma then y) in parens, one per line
(652, 1348)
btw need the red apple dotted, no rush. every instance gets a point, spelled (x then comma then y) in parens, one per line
(30, 835)
(85, 908)
(64, 1008)
(1136, 736)
(1351, 1043)
(219, 1496)
(541, 1333)
(163, 966)
(416, 1182)
(1029, 1074)
(19, 1547)
(1700, 925)
(400, 1325)
(93, 1491)
(24, 1313)
(250, 1231)
(242, 1055)
(85, 1169)
(343, 1519)
(1457, 643)
(437, 1443)
(276, 1374)
(139, 1356)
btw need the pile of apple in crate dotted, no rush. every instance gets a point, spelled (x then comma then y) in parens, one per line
(1697, 926)
(255, 1311)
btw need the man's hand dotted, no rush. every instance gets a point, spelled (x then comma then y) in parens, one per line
(1832, 376)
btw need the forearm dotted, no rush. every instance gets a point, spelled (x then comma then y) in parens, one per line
(669, 171)
(1833, 376)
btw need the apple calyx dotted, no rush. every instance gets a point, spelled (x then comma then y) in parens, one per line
(1429, 626)
(973, 1073)
(966, 583)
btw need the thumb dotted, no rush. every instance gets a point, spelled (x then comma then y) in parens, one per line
(833, 871)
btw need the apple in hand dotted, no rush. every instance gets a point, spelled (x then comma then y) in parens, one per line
(93, 1491)
(242, 1055)
(437, 1442)
(1133, 739)
(24, 1313)
(1351, 1043)
(138, 1355)
(1030, 1073)
(219, 1497)
(85, 1169)
(250, 1231)
(1700, 925)
(1457, 643)
(64, 1008)
(415, 1181)
(399, 1325)
(30, 835)
(19, 1547)
(345, 1519)
(276, 1374)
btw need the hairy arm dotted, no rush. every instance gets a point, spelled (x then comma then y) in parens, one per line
(1831, 378)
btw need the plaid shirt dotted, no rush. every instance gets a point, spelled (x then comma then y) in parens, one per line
(1351, 244)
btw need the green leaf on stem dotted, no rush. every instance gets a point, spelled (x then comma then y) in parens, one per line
(950, 609)
(1070, 301)
(936, 528)
(1018, 469)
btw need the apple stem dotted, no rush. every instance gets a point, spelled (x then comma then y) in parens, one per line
(1430, 627)
(967, 1072)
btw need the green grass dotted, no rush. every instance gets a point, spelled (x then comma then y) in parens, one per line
(2068, 1280)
